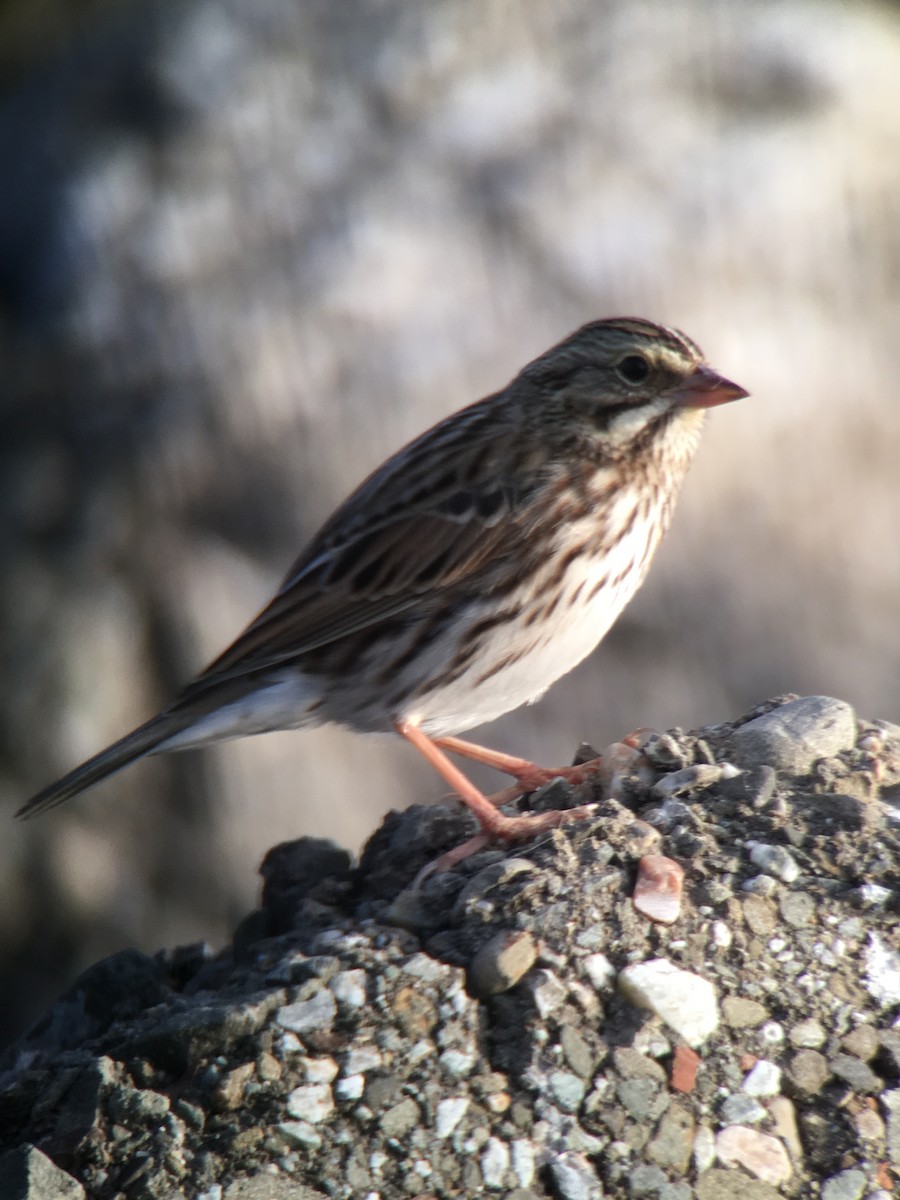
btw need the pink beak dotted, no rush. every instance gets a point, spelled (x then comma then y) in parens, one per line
(705, 388)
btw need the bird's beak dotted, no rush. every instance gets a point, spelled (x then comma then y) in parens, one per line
(705, 388)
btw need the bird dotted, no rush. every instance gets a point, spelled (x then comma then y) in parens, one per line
(469, 572)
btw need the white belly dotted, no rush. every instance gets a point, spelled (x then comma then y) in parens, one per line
(517, 665)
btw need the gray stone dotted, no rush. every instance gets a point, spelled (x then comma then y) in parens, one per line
(400, 1119)
(28, 1174)
(809, 1033)
(135, 1106)
(776, 861)
(891, 1102)
(318, 1012)
(846, 1185)
(349, 989)
(809, 1070)
(741, 1109)
(577, 1052)
(791, 738)
(300, 1134)
(501, 962)
(566, 1090)
(646, 1180)
(575, 1178)
(313, 1103)
(797, 909)
(857, 1074)
(636, 1096)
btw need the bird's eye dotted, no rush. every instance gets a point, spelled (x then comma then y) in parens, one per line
(633, 368)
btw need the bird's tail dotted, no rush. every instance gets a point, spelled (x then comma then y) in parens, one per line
(143, 740)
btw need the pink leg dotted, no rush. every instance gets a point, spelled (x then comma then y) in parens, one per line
(528, 775)
(493, 823)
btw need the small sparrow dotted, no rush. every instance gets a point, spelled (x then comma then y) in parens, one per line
(469, 572)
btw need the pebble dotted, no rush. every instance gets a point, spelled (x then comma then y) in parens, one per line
(400, 1118)
(873, 895)
(761, 885)
(599, 971)
(361, 1059)
(313, 1103)
(797, 909)
(522, 1161)
(457, 1064)
(763, 1080)
(422, 966)
(657, 893)
(306, 1015)
(670, 1147)
(791, 738)
(637, 1096)
(685, 1065)
(28, 1173)
(721, 935)
(846, 1185)
(448, 1115)
(760, 914)
(857, 1074)
(501, 962)
(869, 1125)
(300, 1134)
(741, 1110)
(574, 1177)
(704, 1151)
(566, 1090)
(350, 1088)
(685, 1001)
(690, 779)
(319, 1070)
(772, 1033)
(862, 1042)
(774, 860)
(882, 973)
(495, 1163)
(576, 1051)
(809, 1071)
(890, 1102)
(784, 1125)
(547, 992)
(349, 988)
(646, 1180)
(759, 1153)
(741, 1013)
(808, 1034)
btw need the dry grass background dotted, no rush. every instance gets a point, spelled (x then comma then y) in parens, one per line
(246, 250)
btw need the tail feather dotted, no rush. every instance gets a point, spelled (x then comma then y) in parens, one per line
(143, 740)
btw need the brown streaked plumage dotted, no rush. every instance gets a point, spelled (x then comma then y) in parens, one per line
(470, 571)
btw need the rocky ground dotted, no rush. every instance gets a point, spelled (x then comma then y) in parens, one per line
(694, 994)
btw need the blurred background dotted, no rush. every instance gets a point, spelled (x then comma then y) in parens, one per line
(249, 247)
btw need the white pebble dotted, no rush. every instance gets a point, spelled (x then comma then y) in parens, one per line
(722, 936)
(495, 1163)
(449, 1114)
(599, 971)
(763, 1080)
(685, 1001)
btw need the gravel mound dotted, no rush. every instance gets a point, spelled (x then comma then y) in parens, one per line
(519, 1025)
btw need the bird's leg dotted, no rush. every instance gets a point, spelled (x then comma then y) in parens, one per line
(493, 823)
(527, 774)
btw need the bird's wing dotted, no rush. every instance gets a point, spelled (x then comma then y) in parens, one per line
(445, 513)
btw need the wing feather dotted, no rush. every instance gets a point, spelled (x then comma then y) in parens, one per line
(415, 527)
